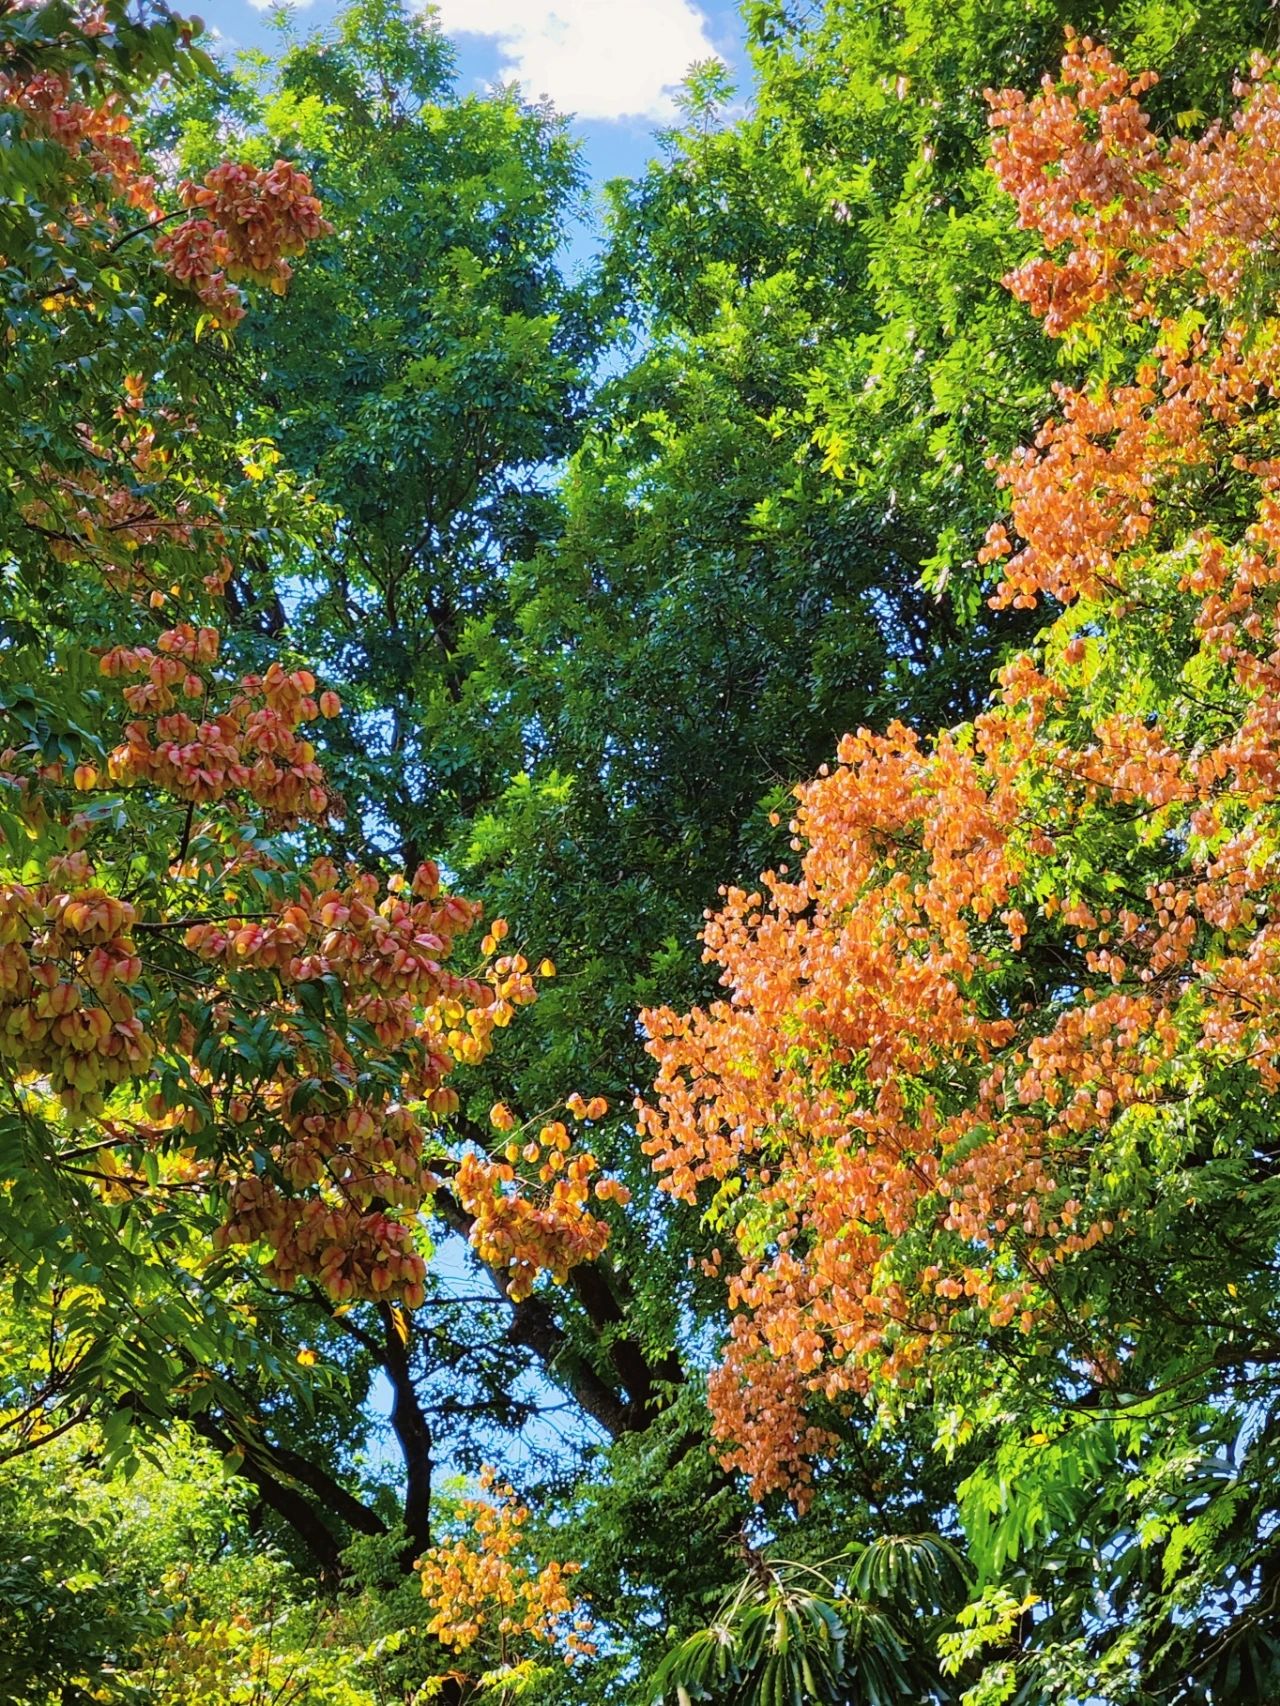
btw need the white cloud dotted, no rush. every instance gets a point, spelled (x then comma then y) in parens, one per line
(596, 58)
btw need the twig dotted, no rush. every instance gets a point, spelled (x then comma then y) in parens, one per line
(151, 225)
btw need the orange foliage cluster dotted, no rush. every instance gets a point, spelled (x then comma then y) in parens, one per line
(1133, 211)
(252, 747)
(1197, 215)
(386, 952)
(522, 1231)
(354, 1176)
(96, 134)
(243, 224)
(247, 220)
(348, 1171)
(478, 1589)
(934, 1025)
(67, 964)
(79, 1013)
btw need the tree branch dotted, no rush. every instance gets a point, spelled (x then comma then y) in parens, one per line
(287, 1503)
(534, 1325)
(411, 1428)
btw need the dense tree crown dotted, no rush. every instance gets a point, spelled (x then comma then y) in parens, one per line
(417, 1282)
(988, 1104)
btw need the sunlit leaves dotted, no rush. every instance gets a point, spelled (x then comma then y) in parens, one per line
(991, 1051)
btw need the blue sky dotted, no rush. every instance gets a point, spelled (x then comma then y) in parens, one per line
(612, 64)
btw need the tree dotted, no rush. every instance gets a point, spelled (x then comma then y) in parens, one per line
(449, 384)
(430, 425)
(104, 507)
(153, 1587)
(213, 1041)
(987, 1106)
